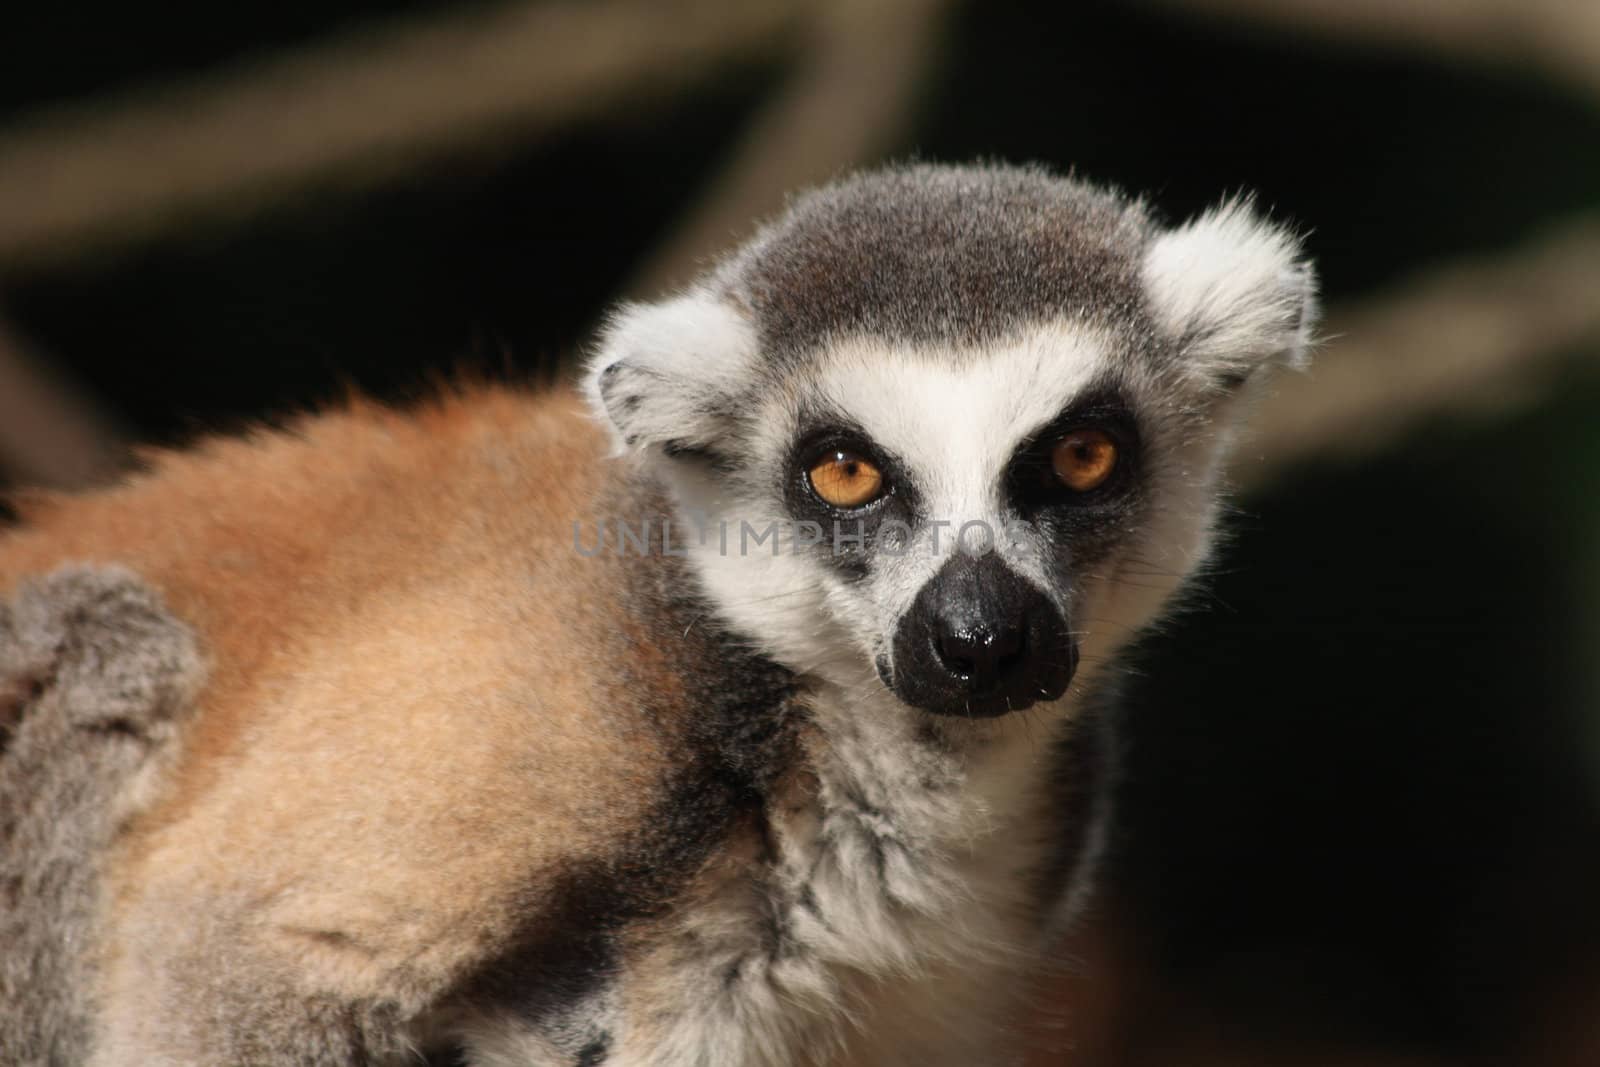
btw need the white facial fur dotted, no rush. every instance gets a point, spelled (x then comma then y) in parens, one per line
(1226, 294)
(955, 419)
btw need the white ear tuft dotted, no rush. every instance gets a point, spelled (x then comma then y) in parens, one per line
(664, 373)
(1234, 291)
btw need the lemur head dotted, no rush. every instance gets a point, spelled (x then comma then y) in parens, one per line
(956, 427)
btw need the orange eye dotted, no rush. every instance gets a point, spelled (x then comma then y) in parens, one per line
(845, 480)
(1084, 459)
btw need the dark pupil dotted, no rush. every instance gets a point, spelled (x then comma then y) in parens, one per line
(851, 467)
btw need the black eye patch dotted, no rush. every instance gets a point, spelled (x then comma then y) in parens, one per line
(1033, 487)
(849, 536)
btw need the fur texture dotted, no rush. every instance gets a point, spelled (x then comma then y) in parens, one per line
(514, 751)
(95, 680)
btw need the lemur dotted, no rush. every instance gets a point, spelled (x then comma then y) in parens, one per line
(744, 707)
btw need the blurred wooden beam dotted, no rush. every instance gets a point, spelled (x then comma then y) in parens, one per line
(1559, 37)
(1482, 336)
(51, 436)
(355, 106)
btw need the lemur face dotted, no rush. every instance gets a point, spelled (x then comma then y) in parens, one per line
(966, 501)
(954, 431)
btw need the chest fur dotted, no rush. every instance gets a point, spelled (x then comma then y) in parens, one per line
(876, 912)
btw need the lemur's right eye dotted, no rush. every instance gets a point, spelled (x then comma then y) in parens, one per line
(845, 480)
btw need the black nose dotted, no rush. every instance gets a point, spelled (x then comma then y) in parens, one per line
(982, 654)
(981, 640)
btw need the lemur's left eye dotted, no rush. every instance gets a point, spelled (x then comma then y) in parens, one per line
(1084, 459)
(845, 480)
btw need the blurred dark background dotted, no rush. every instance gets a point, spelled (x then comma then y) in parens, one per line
(1361, 816)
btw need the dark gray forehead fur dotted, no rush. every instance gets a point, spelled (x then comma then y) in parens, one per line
(940, 254)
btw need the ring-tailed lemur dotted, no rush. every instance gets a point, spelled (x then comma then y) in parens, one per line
(740, 718)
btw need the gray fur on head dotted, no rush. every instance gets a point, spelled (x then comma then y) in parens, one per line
(956, 258)
(95, 679)
(948, 255)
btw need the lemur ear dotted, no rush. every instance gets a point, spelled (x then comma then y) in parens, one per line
(665, 373)
(1234, 291)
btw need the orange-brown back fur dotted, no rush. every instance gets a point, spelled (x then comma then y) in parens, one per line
(398, 747)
